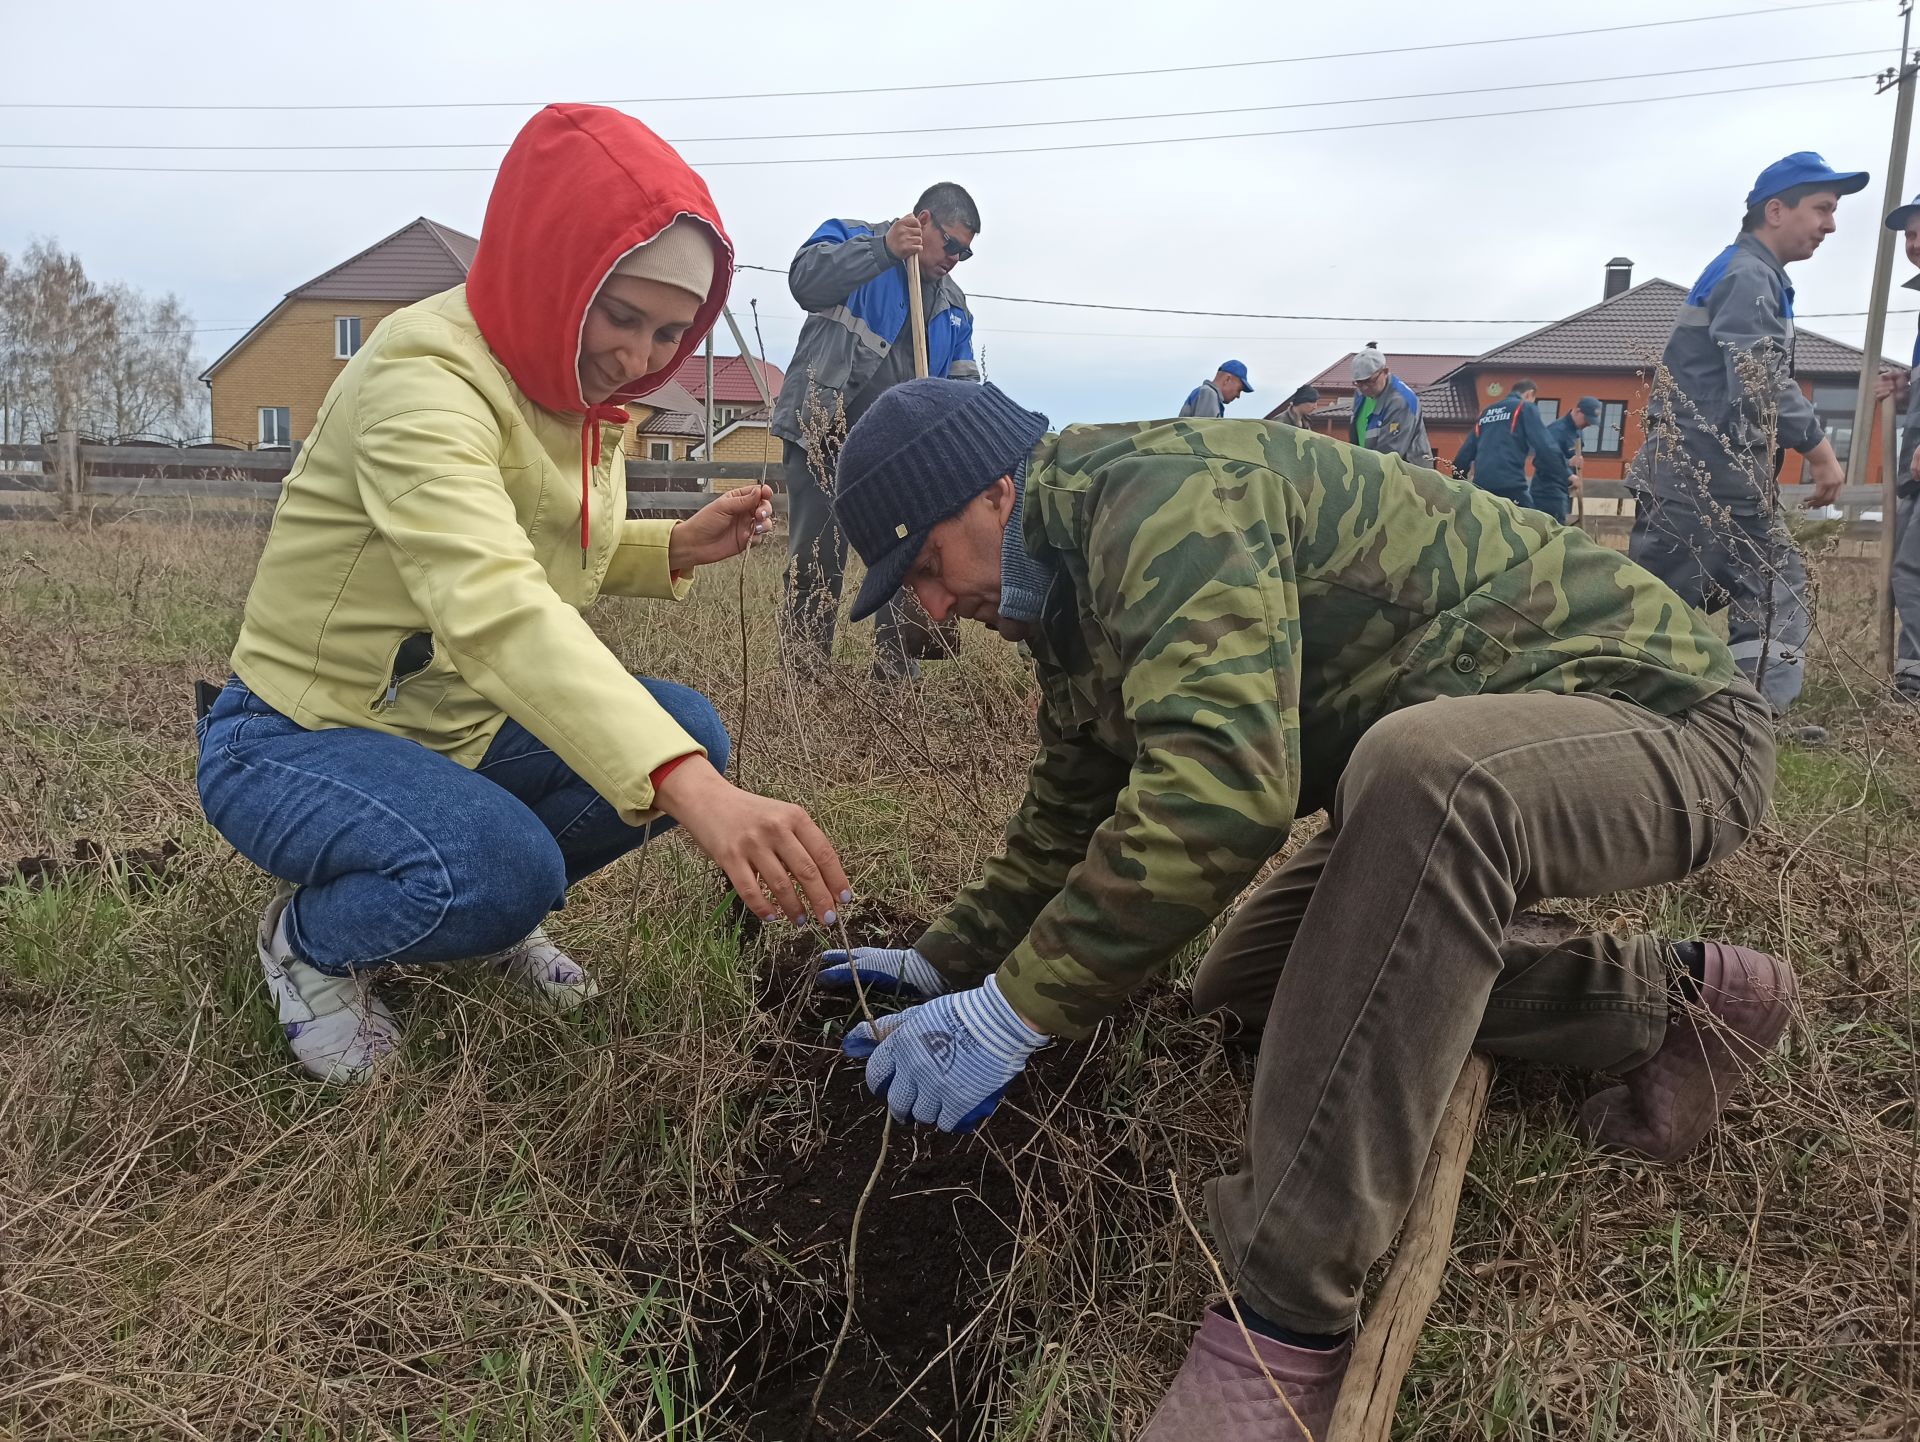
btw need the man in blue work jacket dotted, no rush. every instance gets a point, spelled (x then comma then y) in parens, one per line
(857, 343)
(1724, 410)
(1507, 432)
(1211, 398)
(1558, 501)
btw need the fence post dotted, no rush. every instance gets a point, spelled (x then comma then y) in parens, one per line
(66, 449)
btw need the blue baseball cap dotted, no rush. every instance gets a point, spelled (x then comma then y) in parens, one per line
(1590, 406)
(1238, 370)
(1902, 215)
(1803, 167)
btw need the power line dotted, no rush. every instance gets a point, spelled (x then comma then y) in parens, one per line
(968, 84)
(1283, 315)
(1555, 84)
(704, 164)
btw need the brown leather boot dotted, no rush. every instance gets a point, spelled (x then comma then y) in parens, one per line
(1221, 1394)
(1667, 1104)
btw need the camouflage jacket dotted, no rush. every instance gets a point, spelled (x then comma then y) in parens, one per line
(1234, 603)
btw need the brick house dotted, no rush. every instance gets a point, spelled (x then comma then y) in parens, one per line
(268, 385)
(671, 424)
(1609, 351)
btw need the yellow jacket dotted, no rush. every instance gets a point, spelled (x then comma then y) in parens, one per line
(425, 577)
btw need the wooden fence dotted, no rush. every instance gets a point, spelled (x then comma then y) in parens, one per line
(36, 479)
(33, 479)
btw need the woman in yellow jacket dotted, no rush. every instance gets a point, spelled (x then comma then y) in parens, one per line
(422, 738)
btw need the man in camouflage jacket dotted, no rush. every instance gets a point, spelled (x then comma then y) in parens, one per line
(1235, 624)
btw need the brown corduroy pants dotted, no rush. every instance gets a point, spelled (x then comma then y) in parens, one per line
(1377, 957)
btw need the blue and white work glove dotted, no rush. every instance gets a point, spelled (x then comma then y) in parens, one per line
(903, 973)
(947, 1061)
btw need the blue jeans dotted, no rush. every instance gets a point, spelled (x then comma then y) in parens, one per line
(402, 856)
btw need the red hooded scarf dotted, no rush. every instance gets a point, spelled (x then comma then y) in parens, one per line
(581, 186)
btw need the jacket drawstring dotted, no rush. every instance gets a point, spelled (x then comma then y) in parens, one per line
(590, 425)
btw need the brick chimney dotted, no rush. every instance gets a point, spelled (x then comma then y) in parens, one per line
(1619, 277)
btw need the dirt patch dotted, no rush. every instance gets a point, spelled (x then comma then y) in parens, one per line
(143, 865)
(939, 1233)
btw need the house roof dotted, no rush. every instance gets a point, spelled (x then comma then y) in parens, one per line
(673, 423)
(421, 258)
(1418, 369)
(1629, 332)
(756, 421)
(732, 381)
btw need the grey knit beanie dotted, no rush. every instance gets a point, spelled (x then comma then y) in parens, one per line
(918, 456)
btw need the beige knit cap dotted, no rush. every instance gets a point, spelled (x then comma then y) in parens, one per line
(681, 255)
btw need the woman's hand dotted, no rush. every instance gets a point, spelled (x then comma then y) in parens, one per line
(722, 528)
(764, 846)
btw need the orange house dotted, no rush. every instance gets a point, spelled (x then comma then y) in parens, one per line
(1609, 351)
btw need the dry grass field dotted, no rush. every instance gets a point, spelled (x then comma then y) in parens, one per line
(634, 1224)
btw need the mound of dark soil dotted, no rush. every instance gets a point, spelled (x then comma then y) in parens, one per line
(143, 865)
(936, 1239)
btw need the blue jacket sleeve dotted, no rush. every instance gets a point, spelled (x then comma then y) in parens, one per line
(838, 258)
(1463, 462)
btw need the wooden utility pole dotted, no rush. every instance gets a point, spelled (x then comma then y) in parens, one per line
(707, 454)
(1902, 80)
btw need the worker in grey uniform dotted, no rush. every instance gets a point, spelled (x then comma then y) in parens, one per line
(1211, 398)
(1724, 408)
(1386, 412)
(1906, 554)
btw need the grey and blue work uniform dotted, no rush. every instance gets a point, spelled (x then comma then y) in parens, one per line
(856, 344)
(1204, 400)
(1724, 408)
(1391, 423)
(1507, 432)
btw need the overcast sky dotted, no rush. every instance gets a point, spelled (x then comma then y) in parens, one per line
(1509, 218)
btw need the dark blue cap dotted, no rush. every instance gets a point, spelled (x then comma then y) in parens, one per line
(1902, 215)
(1238, 370)
(1803, 167)
(921, 452)
(1590, 406)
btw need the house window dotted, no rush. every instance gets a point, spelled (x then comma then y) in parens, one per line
(724, 416)
(1602, 438)
(1549, 411)
(659, 450)
(276, 426)
(346, 336)
(1835, 404)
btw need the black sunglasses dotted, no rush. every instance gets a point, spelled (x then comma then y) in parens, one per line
(954, 248)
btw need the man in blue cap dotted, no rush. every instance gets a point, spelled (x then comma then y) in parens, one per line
(1906, 554)
(1566, 435)
(1507, 432)
(1724, 410)
(1211, 398)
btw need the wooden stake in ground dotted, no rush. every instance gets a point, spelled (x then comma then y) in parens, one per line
(1384, 1348)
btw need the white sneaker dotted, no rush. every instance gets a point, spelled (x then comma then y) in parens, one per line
(545, 974)
(338, 1029)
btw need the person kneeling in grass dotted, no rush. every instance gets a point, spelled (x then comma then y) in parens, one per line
(1236, 623)
(422, 738)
